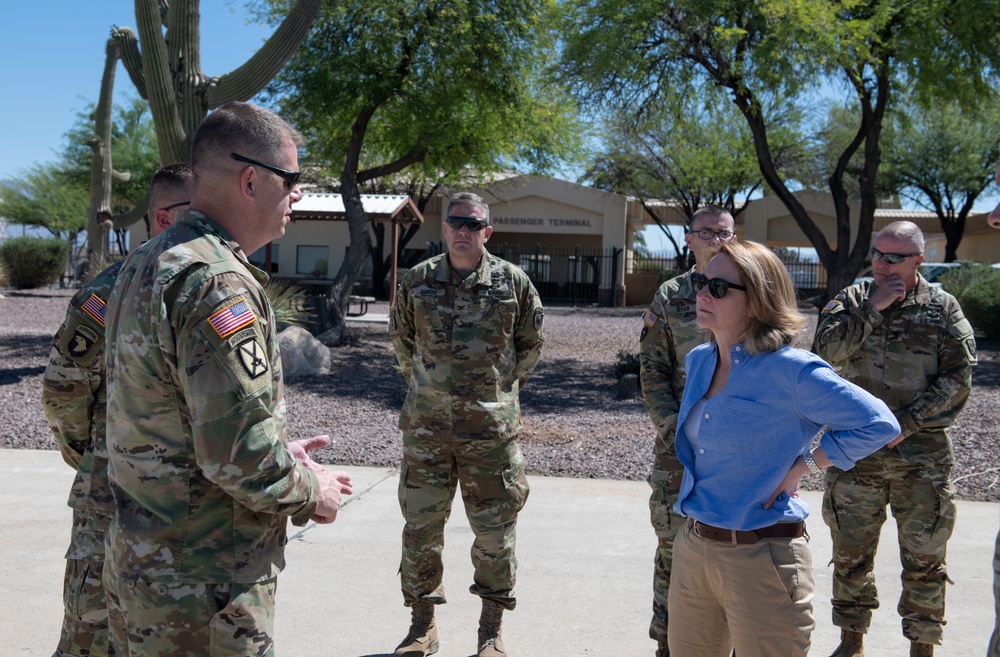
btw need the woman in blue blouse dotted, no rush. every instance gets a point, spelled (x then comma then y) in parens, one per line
(742, 574)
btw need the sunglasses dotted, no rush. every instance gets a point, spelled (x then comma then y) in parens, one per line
(717, 287)
(290, 177)
(458, 223)
(891, 258)
(175, 205)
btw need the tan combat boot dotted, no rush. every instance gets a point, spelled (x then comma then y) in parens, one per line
(921, 649)
(851, 645)
(490, 642)
(423, 637)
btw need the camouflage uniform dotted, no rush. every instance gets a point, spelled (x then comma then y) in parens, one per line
(466, 347)
(202, 480)
(917, 356)
(74, 398)
(670, 331)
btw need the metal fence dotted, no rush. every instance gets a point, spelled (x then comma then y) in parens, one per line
(568, 275)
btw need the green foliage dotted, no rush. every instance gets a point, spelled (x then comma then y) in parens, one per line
(288, 302)
(626, 363)
(956, 281)
(666, 274)
(32, 262)
(981, 304)
(438, 87)
(47, 196)
(133, 148)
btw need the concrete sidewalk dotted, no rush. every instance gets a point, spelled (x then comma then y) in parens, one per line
(585, 548)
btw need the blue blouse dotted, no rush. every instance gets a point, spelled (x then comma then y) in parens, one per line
(753, 430)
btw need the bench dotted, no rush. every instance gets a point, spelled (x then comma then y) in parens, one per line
(362, 304)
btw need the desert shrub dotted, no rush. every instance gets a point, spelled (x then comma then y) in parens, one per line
(288, 302)
(981, 303)
(626, 363)
(959, 279)
(32, 261)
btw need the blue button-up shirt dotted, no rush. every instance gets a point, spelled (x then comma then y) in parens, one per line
(753, 430)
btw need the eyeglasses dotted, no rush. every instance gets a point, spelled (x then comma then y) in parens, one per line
(290, 177)
(709, 235)
(174, 205)
(458, 223)
(717, 287)
(891, 258)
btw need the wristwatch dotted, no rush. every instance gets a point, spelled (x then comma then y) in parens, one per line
(811, 463)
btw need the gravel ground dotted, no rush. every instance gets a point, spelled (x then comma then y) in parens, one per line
(574, 425)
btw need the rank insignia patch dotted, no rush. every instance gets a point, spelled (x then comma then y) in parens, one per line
(94, 306)
(253, 358)
(232, 318)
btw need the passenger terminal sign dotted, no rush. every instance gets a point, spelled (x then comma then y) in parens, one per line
(584, 226)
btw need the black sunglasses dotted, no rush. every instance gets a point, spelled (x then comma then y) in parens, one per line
(290, 177)
(891, 258)
(717, 287)
(175, 205)
(458, 223)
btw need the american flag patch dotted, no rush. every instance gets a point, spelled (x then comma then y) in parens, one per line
(94, 306)
(833, 305)
(232, 318)
(649, 318)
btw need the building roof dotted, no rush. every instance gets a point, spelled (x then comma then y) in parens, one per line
(378, 207)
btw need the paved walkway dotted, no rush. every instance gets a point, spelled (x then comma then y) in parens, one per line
(585, 548)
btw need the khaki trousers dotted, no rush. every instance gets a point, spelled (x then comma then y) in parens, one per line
(754, 598)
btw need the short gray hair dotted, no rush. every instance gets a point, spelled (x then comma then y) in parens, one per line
(905, 231)
(238, 127)
(468, 198)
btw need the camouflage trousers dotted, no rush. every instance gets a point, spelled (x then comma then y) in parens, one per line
(921, 497)
(665, 480)
(161, 619)
(494, 490)
(85, 612)
(994, 649)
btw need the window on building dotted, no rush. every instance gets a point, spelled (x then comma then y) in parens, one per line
(259, 258)
(312, 260)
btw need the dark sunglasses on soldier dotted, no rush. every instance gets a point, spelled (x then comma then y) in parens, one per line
(891, 258)
(290, 177)
(458, 223)
(717, 287)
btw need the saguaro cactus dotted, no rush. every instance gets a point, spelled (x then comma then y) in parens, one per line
(167, 71)
(102, 173)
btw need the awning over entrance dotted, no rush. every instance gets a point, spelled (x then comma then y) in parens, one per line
(380, 208)
(395, 209)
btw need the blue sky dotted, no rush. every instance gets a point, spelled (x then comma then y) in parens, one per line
(53, 55)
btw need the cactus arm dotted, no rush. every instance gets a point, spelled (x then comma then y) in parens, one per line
(249, 79)
(99, 207)
(126, 219)
(171, 138)
(128, 50)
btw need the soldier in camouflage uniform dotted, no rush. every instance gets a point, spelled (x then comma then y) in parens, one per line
(202, 475)
(670, 331)
(74, 398)
(909, 344)
(467, 330)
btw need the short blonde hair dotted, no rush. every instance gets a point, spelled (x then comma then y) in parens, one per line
(774, 316)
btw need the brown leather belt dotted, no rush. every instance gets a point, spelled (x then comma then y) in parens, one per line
(738, 537)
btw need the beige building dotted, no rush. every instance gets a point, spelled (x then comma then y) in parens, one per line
(575, 241)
